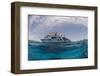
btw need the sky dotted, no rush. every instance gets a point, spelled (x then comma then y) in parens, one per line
(73, 27)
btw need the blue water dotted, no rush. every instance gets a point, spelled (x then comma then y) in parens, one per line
(38, 51)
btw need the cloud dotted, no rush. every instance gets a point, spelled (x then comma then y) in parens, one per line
(48, 20)
(39, 25)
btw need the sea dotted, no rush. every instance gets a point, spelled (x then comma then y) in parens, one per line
(42, 51)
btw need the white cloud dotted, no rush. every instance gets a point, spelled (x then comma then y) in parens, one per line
(48, 22)
(54, 20)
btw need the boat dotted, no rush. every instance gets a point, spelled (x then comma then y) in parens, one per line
(55, 37)
(56, 41)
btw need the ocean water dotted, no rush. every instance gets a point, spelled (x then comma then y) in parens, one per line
(41, 51)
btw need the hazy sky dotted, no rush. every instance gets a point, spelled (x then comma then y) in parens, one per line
(74, 28)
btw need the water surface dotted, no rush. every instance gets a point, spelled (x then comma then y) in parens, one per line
(39, 51)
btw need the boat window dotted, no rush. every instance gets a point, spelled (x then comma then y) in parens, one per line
(53, 37)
